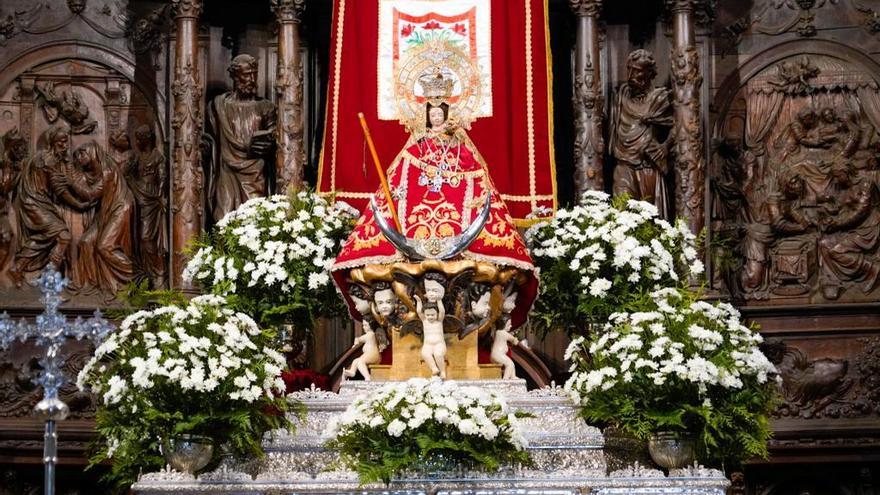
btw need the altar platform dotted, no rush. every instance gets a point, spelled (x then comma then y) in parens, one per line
(570, 457)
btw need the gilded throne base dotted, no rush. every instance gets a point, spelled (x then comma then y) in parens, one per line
(462, 354)
(461, 360)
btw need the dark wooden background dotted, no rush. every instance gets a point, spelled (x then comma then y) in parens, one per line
(759, 59)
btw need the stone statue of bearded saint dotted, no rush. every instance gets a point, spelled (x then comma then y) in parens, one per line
(241, 131)
(640, 123)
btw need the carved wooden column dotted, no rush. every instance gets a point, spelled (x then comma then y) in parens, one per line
(186, 167)
(291, 154)
(690, 164)
(589, 144)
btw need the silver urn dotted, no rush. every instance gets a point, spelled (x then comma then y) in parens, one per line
(188, 453)
(671, 450)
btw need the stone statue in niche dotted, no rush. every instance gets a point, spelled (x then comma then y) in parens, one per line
(104, 263)
(640, 123)
(11, 163)
(147, 179)
(45, 235)
(241, 133)
(70, 107)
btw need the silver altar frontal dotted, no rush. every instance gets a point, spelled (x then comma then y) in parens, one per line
(570, 457)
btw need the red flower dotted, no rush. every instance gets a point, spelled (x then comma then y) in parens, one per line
(407, 30)
(460, 29)
(432, 25)
(302, 379)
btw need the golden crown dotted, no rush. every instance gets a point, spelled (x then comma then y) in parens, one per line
(435, 87)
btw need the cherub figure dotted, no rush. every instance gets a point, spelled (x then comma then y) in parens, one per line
(503, 336)
(384, 304)
(371, 353)
(435, 287)
(480, 307)
(373, 343)
(433, 340)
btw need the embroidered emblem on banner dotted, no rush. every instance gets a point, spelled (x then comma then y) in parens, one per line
(406, 25)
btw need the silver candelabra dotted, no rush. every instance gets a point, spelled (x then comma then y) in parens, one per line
(50, 330)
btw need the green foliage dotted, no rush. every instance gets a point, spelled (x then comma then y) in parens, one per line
(196, 368)
(271, 257)
(380, 457)
(382, 436)
(605, 255)
(682, 365)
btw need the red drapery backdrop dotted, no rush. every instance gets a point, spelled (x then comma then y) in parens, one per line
(516, 140)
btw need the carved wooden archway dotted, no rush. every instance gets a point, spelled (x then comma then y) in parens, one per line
(737, 79)
(94, 53)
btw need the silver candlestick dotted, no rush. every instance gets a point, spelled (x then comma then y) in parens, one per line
(50, 330)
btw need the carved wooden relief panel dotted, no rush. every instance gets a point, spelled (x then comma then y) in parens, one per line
(796, 184)
(844, 383)
(794, 208)
(83, 182)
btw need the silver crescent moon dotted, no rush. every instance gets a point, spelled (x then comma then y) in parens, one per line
(453, 246)
(398, 240)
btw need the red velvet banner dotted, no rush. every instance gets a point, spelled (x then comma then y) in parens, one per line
(516, 141)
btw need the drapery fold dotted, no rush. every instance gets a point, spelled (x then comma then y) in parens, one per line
(761, 118)
(870, 104)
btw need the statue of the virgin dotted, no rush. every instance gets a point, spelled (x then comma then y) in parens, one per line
(440, 186)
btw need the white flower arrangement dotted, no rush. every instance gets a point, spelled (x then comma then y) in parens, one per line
(403, 423)
(602, 255)
(274, 255)
(681, 363)
(202, 347)
(196, 367)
